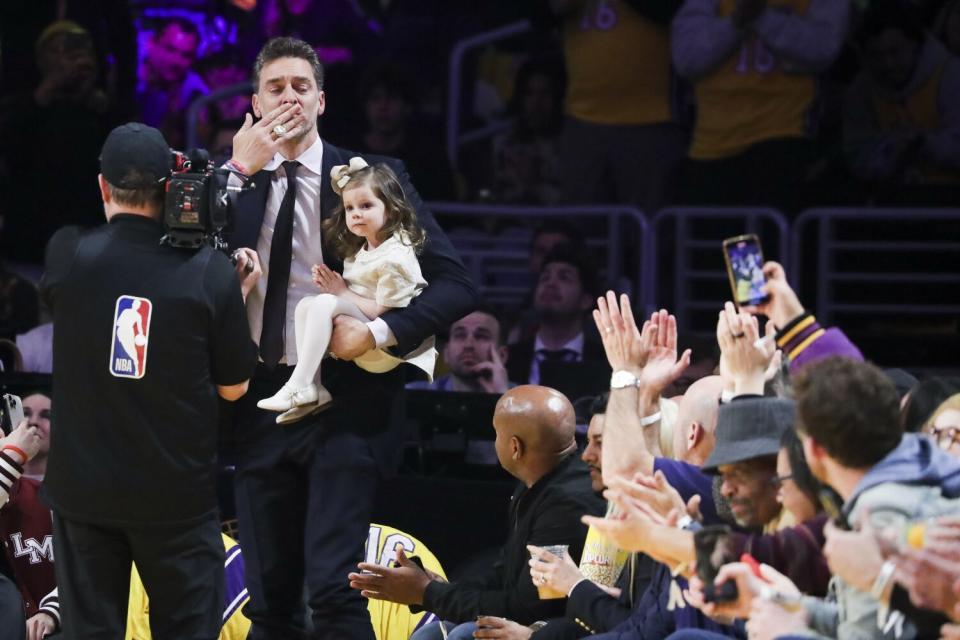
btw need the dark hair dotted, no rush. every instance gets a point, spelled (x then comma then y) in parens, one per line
(799, 470)
(399, 213)
(187, 26)
(553, 70)
(569, 254)
(924, 400)
(889, 14)
(573, 234)
(149, 197)
(849, 408)
(599, 404)
(287, 48)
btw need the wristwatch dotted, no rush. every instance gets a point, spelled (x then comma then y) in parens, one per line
(623, 379)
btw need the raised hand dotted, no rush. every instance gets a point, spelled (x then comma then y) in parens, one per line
(626, 346)
(745, 358)
(662, 366)
(255, 144)
(783, 304)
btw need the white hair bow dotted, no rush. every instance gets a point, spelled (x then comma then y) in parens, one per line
(340, 175)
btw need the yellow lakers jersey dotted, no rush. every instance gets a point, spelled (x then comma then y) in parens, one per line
(618, 65)
(390, 621)
(750, 97)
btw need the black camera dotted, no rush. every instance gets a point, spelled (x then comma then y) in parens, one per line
(11, 413)
(198, 202)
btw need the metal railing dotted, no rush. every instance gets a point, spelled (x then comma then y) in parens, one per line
(456, 138)
(698, 277)
(499, 263)
(880, 261)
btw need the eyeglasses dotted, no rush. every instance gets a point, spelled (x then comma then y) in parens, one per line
(945, 437)
(777, 481)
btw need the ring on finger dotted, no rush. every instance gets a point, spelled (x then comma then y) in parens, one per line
(279, 130)
(737, 335)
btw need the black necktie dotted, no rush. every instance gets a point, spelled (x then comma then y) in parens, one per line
(557, 355)
(278, 278)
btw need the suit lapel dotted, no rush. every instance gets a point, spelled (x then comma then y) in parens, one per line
(250, 208)
(332, 156)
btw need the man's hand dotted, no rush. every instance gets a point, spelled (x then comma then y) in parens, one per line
(930, 579)
(248, 270)
(769, 620)
(351, 338)
(328, 280)
(255, 144)
(744, 362)
(629, 531)
(26, 439)
(491, 375)
(560, 574)
(654, 491)
(855, 556)
(39, 626)
(626, 347)
(783, 305)
(662, 367)
(404, 584)
(494, 627)
(950, 632)
(748, 588)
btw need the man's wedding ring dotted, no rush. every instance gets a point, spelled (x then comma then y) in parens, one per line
(279, 130)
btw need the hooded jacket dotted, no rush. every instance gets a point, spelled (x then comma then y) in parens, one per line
(914, 481)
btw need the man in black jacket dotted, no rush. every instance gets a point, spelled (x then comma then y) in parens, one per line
(535, 443)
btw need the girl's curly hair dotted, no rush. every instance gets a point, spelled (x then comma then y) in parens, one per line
(399, 213)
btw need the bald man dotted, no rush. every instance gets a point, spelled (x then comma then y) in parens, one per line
(535, 443)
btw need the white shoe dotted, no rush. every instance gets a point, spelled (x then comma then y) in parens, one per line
(288, 397)
(298, 413)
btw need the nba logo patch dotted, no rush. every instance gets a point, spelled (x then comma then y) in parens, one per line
(131, 337)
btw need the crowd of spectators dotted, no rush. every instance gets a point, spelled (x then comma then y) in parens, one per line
(833, 483)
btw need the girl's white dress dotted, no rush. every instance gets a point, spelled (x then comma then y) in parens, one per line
(390, 274)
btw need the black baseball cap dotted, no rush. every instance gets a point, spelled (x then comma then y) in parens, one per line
(135, 156)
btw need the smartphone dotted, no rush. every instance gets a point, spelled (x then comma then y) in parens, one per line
(744, 260)
(832, 507)
(11, 413)
(712, 546)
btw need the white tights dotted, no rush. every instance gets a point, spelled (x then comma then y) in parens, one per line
(314, 326)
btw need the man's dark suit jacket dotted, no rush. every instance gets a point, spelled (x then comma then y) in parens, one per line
(590, 376)
(449, 295)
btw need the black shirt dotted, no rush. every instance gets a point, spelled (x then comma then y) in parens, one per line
(142, 334)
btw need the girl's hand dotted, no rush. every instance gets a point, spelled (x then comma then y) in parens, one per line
(328, 280)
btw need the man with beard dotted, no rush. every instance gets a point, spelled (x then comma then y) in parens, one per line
(563, 296)
(475, 355)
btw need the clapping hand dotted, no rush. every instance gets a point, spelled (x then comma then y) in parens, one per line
(745, 358)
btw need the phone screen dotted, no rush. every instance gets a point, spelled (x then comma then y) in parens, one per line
(745, 268)
(713, 551)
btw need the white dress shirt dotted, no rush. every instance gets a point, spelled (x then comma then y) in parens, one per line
(307, 248)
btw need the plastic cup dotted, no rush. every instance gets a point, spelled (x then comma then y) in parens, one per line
(545, 592)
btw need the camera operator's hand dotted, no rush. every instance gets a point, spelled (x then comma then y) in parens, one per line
(256, 143)
(784, 305)
(248, 270)
(24, 438)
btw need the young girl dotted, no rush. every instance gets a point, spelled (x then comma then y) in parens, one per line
(375, 231)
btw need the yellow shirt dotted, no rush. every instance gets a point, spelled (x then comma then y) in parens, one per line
(750, 98)
(618, 65)
(390, 621)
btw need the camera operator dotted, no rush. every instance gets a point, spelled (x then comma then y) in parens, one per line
(147, 337)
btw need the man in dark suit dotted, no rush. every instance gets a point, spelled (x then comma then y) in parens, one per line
(305, 490)
(562, 353)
